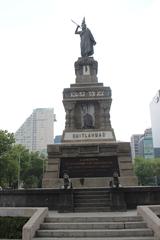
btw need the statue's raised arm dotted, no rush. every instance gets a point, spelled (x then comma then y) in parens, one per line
(87, 40)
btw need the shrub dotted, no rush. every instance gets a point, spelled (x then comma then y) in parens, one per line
(11, 227)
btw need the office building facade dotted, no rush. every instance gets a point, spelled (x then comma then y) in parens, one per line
(135, 145)
(146, 145)
(142, 145)
(155, 122)
(37, 131)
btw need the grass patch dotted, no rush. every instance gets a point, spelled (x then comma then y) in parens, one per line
(11, 227)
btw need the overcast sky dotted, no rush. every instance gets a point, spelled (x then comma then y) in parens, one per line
(38, 49)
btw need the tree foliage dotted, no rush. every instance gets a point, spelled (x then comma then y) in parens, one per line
(147, 171)
(6, 141)
(18, 165)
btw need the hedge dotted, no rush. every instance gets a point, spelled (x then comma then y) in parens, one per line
(11, 227)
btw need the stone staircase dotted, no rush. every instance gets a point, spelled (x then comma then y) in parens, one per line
(96, 227)
(91, 200)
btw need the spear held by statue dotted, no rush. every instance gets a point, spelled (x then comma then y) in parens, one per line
(76, 23)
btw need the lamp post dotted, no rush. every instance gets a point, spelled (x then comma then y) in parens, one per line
(43, 167)
(19, 169)
(54, 120)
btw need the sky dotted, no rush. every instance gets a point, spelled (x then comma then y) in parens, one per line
(38, 49)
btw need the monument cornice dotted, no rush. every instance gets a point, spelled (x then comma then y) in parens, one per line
(94, 92)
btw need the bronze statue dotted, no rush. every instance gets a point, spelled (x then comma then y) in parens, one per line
(87, 40)
(66, 180)
(115, 182)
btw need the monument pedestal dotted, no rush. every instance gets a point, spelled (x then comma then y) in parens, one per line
(89, 151)
(89, 164)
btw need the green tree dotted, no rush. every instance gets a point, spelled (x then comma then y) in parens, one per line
(18, 166)
(6, 143)
(32, 176)
(147, 171)
(20, 156)
(30, 166)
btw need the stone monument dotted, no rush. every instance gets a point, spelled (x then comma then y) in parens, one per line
(89, 151)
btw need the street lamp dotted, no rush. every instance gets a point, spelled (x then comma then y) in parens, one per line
(54, 120)
(19, 169)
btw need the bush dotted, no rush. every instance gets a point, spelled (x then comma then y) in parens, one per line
(11, 227)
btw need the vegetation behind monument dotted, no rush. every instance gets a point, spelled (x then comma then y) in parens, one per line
(32, 164)
(16, 160)
(147, 171)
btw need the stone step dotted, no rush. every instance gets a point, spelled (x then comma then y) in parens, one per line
(95, 233)
(91, 196)
(90, 190)
(92, 199)
(92, 209)
(85, 219)
(98, 189)
(96, 225)
(99, 238)
(102, 201)
(79, 196)
(102, 193)
(94, 205)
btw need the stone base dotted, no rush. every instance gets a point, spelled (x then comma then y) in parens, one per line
(89, 164)
(86, 70)
(89, 182)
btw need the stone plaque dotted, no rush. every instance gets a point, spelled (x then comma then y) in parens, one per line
(89, 166)
(89, 135)
(86, 93)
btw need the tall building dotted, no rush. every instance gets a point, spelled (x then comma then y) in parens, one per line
(58, 139)
(146, 145)
(135, 145)
(38, 130)
(155, 122)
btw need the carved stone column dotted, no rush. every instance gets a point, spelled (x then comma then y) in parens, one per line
(69, 109)
(104, 115)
